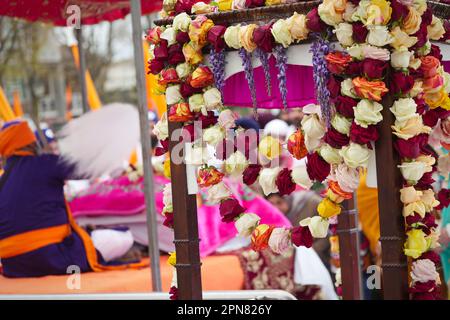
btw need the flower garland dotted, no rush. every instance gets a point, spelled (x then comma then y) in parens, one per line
(335, 155)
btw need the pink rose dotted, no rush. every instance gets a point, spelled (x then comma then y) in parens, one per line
(279, 240)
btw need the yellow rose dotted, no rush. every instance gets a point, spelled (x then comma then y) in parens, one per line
(269, 147)
(246, 37)
(410, 128)
(328, 208)
(297, 27)
(224, 5)
(193, 53)
(159, 88)
(401, 39)
(411, 23)
(415, 244)
(198, 30)
(438, 99)
(172, 259)
(167, 168)
(334, 197)
(272, 2)
(379, 12)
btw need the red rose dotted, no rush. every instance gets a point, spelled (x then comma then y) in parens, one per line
(424, 291)
(429, 221)
(421, 105)
(362, 135)
(426, 181)
(344, 105)
(169, 75)
(225, 149)
(399, 10)
(410, 220)
(284, 182)
(313, 21)
(447, 30)
(176, 55)
(186, 90)
(436, 52)
(263, 38)
(336, 139)
(359, 32)
(317, 168)
(155, 66)
(209, 120)
(254, 3)
(189, 133)
(400, 83)
(433, 256)
(251, 173)
(173, 293)
(421, 36)
(301, 236)
(168, 220)
(427, 17)
(159, 151)
(353, 68)
(373, 68)
(431, 117)
(215, 37)
(229, 209)
(334, 86)
(355, 2)
(411, 148)
(161, 52)
(182, 37)
(184, 6)
(444, 198)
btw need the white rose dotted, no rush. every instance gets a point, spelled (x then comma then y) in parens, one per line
(300, 176)
(170, 35)
(428, 160)
(412, 171)
(416, 89)
(236, 164)
(267, 178)
(355, 155)
(420, 6)
(167, 195)
(201, 8)
(213, 135)
(341, 124)
(356, 51)
(316, 225)
(350, 9)
(312, 126)
(197, 103)
(348, 89)
(197, 155)
(183, 70)
(281, 34)
(227, 119)
(173, 95)
(246, 224)
(379, 36)
(231, 37)
(328, 14)
(161, 129)
(344, 32)
(400, 58)
(446, 76)
(415, 63)
(213, 99)
(404, 109)
(367, 113)
(436, 29)
(217, 193)
(361, 11)
(181, 22)
(330, 154)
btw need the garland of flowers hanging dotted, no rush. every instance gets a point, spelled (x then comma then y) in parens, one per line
(336, 142)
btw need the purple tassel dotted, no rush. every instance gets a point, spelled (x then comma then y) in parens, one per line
(281, 58)
(264, 58)
(248, 68)
(319, 49)
(217, 60)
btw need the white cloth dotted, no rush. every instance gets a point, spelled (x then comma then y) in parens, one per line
(112, 244)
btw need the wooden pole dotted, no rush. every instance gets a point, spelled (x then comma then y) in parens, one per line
(392, 227)
(153, 246)
(185, 228)
(82, 69)
(349, 252)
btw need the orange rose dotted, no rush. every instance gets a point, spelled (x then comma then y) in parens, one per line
(433, 83)
(180, 112)
(429, 66)
(208, 177)
(202, 77)
(192, 53)
(372, 90)
(198, 30)
(260, 237)
(337, 61)
(296, 145)
(336, 188)
(334, 243)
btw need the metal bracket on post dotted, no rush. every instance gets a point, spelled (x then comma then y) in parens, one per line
(146, 143)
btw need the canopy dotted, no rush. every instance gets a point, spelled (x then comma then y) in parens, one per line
(55, 11)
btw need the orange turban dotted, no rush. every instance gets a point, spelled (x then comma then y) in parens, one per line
(15, 136)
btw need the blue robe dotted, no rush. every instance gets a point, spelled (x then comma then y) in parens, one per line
(33, 198)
